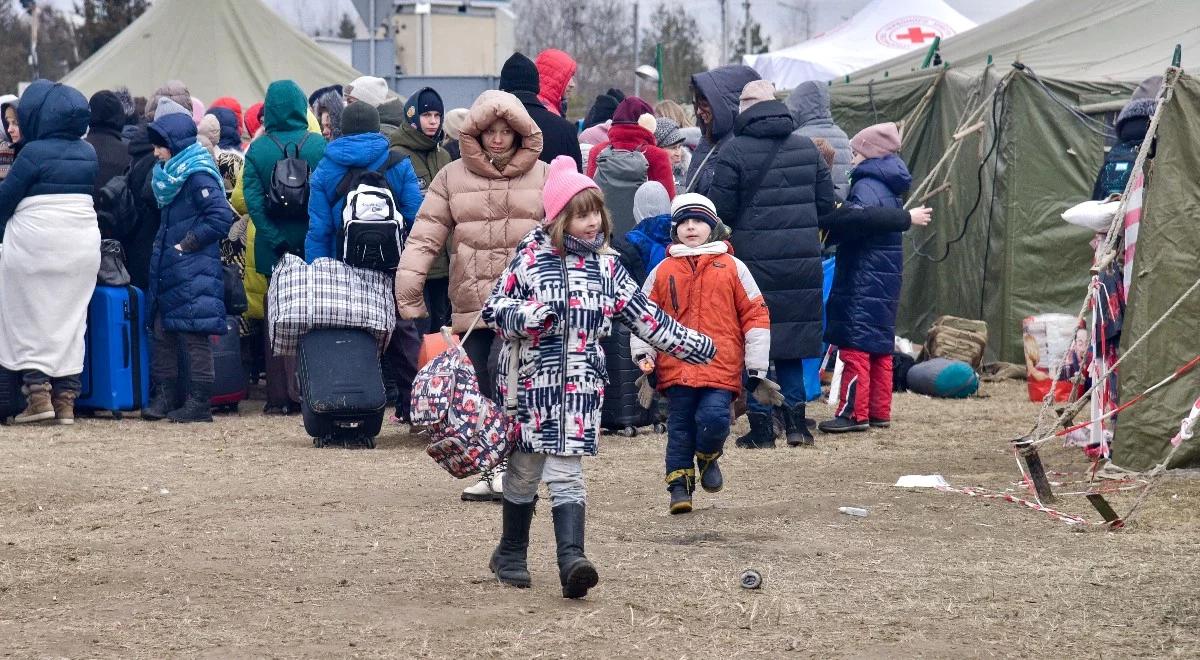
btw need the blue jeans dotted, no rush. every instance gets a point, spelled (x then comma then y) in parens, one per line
(790, 376)
(697, 425)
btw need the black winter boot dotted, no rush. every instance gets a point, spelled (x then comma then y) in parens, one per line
(162, 401)
(680, 490)
(797, 427)
(509, 559)
(711, 479)
(762, 432)
(576, 573)
(197, 407)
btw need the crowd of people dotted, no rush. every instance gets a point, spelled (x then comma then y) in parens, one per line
(531, 234)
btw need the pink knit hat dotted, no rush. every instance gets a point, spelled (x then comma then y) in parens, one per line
(876, 141)
(756, 91)
(562, 183)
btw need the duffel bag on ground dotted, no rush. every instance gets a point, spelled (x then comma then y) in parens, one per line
(943, 378)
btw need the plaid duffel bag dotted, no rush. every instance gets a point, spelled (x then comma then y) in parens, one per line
(327, 294)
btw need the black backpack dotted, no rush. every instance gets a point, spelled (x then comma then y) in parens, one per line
(370, 242)
(1118, 165)
(116, 208)
(287, 196)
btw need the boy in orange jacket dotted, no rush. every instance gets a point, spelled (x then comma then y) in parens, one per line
(703, 286)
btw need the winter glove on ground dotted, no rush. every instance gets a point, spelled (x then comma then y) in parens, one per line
(765, 390)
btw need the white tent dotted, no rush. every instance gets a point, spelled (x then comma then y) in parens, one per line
(881, 31)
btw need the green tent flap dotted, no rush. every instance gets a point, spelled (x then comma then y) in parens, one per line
(1166, 264)
(216, 47)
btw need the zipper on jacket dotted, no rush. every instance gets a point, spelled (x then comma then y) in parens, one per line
(566, 337)
(674, 294)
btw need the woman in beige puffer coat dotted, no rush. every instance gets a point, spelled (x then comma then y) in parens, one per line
(482, 205)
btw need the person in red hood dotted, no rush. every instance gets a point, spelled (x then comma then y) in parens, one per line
(253, 119)
(632, 129)
(557, 72)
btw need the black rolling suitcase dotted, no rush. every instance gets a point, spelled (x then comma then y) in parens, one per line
(341, 386)
(621, 413)
(12, 401)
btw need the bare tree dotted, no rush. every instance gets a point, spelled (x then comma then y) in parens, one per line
(803, 17)
(599, 35)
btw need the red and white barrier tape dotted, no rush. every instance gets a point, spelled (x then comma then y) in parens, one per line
(1067, 518)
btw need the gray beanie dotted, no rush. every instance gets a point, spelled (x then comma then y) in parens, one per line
(168, 107)
(667, 133)
(650, 200)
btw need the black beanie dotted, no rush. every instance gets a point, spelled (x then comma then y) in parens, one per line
(616, 94)
(519, 74)
(360, 118)
(106, 111)
(429, 101)
(601, 111)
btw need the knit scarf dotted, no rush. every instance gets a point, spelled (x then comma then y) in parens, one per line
(500, 162)
(168, 178)
(580, 246)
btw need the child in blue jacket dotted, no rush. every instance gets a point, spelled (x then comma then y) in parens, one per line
(651, 237)
(861, 312)
(360, 146)
(187, 288)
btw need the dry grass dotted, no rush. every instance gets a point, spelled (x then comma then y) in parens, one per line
(238, 539)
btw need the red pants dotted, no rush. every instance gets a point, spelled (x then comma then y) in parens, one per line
(866, 389)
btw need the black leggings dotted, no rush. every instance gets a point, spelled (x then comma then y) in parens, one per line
(479, 348)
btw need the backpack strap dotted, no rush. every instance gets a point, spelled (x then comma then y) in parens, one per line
(752, 189)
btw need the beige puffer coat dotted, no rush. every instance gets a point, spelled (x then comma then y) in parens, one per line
(484, 212)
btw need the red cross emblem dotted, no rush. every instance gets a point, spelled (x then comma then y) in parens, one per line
(916, 35)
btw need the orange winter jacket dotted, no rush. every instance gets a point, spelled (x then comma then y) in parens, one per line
(708, 290)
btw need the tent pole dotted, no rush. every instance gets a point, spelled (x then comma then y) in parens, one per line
(933, 49)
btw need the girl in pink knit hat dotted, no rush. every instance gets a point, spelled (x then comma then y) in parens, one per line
(553, 304)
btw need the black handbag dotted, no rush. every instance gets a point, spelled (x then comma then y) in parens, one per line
(112, 264)
(235, 292)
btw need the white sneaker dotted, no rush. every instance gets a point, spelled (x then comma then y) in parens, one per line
(498, 483)
(481, 491)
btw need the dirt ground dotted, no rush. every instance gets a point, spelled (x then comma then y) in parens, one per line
(240, 539)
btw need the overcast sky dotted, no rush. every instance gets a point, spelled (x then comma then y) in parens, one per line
(784, 24)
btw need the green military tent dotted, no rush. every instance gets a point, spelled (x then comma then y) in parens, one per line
(1031, 138)
(217, 47)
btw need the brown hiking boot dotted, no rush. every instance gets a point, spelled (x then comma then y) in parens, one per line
(64, 407)
(38, 407)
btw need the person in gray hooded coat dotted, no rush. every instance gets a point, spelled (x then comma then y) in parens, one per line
(809, 105)
(715, 97)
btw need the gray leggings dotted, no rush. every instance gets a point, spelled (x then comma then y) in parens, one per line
(563, 476)
(164, 359)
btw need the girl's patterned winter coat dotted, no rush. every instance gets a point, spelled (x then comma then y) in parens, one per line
(553, 308)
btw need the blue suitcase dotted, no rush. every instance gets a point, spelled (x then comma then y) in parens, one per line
(116, 363)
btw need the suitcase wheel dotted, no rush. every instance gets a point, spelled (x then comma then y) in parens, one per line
(370, 442)
(660, 427)
(117, 415)
(627, 432)
(318, 442)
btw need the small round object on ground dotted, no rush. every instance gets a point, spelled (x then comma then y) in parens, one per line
(751, 579)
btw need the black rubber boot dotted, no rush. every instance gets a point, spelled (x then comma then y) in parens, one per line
(509, 558)
(197, 407)
(796, 427)
(162, 401)
(576, 573)
(762, 432)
